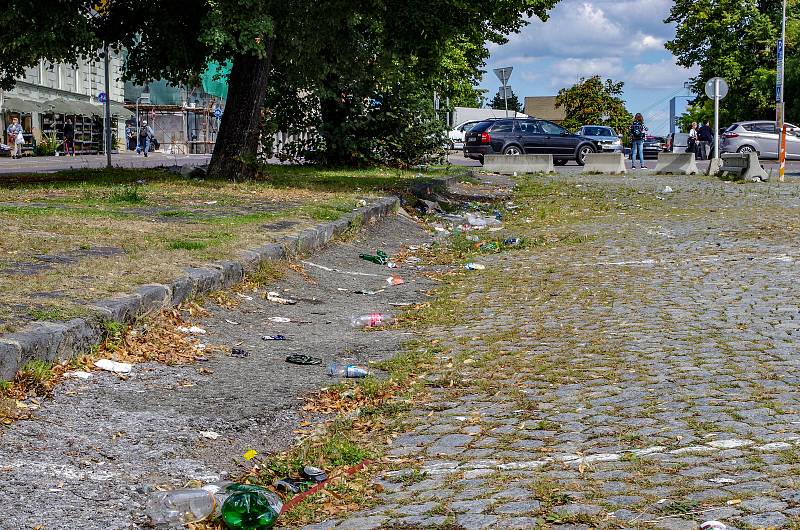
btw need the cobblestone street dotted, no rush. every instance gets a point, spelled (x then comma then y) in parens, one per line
(640, 372)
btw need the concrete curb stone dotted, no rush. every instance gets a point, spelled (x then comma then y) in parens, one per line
(51, 341)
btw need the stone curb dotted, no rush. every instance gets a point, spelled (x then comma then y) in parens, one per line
(56, 341)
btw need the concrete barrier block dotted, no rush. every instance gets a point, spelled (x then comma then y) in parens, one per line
(714, 167)
(676, 164)
(613, 163)
(204, 279)
(510, 164)
(232, 271)
(10, 357)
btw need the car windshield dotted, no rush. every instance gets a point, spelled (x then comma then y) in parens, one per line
(468, 126)
(597, 131)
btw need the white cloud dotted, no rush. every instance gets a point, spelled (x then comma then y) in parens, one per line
(663, 74)
(566, 72)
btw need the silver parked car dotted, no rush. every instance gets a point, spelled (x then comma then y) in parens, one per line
(604, 137)
(760, 137)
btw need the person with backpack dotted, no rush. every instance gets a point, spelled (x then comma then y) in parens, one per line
(69, 138)
(146, 136)
(638, 133)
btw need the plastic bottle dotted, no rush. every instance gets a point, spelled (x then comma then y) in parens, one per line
(242, 507)
(373, 320)
(250, 508)
(347, 370)
(182, 506)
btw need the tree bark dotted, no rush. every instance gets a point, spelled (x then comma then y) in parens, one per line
(240, 131)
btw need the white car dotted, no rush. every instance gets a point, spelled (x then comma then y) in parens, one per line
(459, 132)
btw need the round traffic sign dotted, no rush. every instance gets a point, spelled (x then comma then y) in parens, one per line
(711, 87)
(101, 97)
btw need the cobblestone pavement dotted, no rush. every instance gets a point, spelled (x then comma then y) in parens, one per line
(642, 373)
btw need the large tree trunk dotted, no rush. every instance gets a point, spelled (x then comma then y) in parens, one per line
(239, 133)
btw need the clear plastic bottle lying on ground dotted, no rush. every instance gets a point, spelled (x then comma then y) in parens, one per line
(373, 320)
(241, 506)
(347, 370)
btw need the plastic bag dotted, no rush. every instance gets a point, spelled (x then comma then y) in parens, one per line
(19, 139)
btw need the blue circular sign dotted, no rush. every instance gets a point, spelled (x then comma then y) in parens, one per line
(101, 97)
(217, 112)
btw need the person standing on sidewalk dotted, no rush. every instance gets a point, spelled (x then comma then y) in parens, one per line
(692, 147)
(638, 133)
(69, 138)
(14, 132)
(705, 136)
(145, 137)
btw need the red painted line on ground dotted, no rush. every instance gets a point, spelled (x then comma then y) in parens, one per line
(300, 497)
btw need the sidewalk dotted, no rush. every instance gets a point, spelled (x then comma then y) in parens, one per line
(51, 164)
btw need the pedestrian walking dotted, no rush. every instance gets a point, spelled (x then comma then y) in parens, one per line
(130, 136)
(705, 136)
(692, 141)
(15, 138)
(638, 133)
(69, 138)
(145, 137)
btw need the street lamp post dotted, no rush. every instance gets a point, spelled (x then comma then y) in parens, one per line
(780, 100)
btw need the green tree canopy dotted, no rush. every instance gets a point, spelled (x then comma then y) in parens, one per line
(736, 40)
(500, 104)
(589, 100)
(310, 43)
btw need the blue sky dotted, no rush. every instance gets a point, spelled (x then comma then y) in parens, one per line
(618, 39)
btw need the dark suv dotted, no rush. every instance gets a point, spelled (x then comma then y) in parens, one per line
(526, 135)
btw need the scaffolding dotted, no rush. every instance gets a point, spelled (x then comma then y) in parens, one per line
(180, 129)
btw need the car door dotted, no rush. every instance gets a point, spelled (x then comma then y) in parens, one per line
(556, 139)
(766, 137)
(501, 132)
(531, 136)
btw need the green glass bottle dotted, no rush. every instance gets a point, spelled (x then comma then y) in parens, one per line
(250, 508)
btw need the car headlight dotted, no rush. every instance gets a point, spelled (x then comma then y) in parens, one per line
(616, 142)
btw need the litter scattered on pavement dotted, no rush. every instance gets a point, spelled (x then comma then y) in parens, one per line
(211, 435)
(193, 330)
(78, 374)
(361, 291)
(474, 267)
(289, 485)
(279, 320)
(667, 189)
(231, 322)
(113, 366)
(373, 320)
(272, 296)
(713, 525)
(395, 280)
(245, 297)
(239, 352)
(273, 337)
(351, 371)
(314, 473)
(477, 221)
(401, 304)
(512, 241)
(392, 265)
(303, 360)
(329, 269)
(380, 257)
(210, 202)
(361, 202)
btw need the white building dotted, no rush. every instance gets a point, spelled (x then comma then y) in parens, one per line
(49, 94)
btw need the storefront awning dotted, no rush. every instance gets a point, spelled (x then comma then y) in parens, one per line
(119, 110)
(20, 105)
(72, 107)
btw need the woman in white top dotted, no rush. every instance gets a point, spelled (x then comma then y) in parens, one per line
(692, 148)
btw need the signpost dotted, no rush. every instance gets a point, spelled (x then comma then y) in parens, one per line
(780, 100)
(217, 112)
(716, 89)
(503, 74)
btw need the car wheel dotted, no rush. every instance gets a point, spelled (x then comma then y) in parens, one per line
(746, 150)
(512, 150)
(560, 162)
(582, 152)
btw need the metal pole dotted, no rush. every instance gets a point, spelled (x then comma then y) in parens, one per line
(716, 118)
(107, 110)
(505, 93)
(782, 102)
(137, 123)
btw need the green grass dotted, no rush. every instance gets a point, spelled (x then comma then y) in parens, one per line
(183, 244)
(127, 194)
